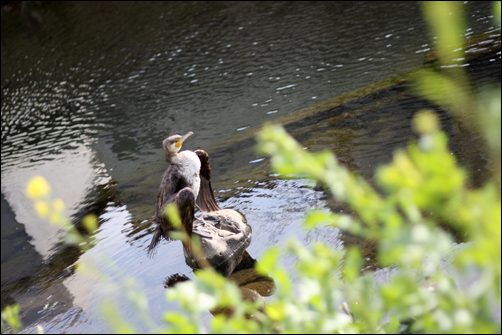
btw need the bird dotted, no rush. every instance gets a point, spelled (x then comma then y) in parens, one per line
(224, 234)
(186, 183)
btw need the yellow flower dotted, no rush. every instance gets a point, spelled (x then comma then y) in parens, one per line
(38, 188)
(58, 205)
(90, 222)
(426, 122)
(57, 219)
(42, 208)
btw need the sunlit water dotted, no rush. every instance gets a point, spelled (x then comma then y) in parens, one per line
(89, 91)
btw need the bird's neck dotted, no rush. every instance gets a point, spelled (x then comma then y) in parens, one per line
(169, 156)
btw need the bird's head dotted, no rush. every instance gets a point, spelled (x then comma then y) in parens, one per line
(172, 144)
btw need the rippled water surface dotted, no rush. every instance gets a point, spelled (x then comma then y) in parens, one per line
(90, 90)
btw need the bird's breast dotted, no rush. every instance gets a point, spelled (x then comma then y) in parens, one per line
(189, 165)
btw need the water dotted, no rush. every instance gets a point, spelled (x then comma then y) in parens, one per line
(90, 90)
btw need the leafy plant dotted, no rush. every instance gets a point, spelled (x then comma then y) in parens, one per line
(421, 296)
(10, 317)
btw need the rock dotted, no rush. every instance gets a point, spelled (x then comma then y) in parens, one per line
(224, 236)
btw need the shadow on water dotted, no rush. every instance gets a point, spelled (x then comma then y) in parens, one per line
(90, 90)
(252, 285)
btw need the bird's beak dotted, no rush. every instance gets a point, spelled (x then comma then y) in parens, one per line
(183, 138)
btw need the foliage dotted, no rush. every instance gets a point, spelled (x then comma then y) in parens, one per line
(10, 315)
(424, 178)
(422, 185)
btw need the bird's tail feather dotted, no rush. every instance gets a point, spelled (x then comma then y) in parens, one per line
(157, 236)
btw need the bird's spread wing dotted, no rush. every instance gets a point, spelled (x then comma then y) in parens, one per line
(205, 200)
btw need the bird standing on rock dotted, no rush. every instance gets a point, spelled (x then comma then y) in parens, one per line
(224, 233)
(186, 183)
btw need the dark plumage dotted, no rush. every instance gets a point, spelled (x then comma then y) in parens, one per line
(224, 233)
(186, 183)
(205, 200)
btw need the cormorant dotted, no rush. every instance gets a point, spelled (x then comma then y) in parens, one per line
(187, 182)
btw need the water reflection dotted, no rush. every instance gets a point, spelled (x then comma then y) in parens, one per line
(252, 285)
